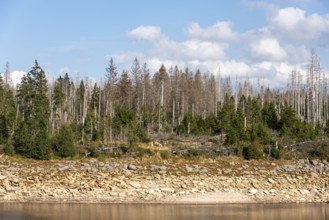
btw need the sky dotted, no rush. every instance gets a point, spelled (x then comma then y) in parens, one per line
(239, 38)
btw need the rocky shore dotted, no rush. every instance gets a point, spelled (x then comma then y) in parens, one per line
(224, 180)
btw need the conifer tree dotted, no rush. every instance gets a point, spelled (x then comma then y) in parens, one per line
(31, 137)
(7, 110)
(64, 142)
(112, 78)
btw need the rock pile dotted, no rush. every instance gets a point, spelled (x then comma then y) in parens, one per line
(137, 181)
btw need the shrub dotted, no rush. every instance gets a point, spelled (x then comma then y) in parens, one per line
(64, 142)
(124, 149)
(193, 153)
(253, 151)
(276, 153)
(320, 152)
(93, 152)
(165, 154)
(141, 152)
(8, 150)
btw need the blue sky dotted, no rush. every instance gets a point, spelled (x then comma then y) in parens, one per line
(258, 39)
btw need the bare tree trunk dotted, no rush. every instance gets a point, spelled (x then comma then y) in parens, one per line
(173, 116)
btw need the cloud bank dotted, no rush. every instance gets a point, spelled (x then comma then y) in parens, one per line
(270, 52)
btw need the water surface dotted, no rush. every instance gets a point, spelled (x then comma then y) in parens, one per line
(26, 211)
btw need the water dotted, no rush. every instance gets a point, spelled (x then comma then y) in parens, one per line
(25, 211)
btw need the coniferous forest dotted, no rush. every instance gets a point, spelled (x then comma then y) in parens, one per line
(41, 119)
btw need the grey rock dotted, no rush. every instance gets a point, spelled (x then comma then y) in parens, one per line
(163, 168)
(101, 164)
(132, 167)
(64, 168)
(85, 164)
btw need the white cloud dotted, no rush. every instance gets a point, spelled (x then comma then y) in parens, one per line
(221, 31)
(16, 76)
(267, 49)
(274, 73)
(154, 63)
(293, 23)
(288, 18)
(297, 54)
(235, 68)
(147, 33)
(189, 49)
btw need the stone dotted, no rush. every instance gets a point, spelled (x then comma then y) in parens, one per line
(135, 185)
(182, 193)
(270, 180)
(167, 190)
(314, 191)
(114, 194)
(132, 167)
(255, 185)
(2, 177)
(85, 164)
(2, 191)
(15, 181)
(304, 191)
(163, 168)
(245, 166)
(63, 168)
(314, 175)
(314, 162)
(204, 170)
(253, 191)
(11, 189)
(150, 191)
(272, 191)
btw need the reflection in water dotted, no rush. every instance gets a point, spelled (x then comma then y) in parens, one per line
(18, 211)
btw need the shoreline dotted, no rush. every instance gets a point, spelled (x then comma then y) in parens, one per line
(195, 199)
(142, 181)
(87, 202)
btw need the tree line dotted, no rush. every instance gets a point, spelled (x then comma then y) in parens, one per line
(39, 118)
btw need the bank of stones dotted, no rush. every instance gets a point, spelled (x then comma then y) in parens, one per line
(137, 181)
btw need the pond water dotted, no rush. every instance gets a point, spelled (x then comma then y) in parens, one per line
(26, 211)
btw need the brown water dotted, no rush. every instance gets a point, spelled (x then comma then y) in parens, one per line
(24, 211)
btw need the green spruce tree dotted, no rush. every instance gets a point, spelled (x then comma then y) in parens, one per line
(64, 142)
(7, 112)
(31, 137)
